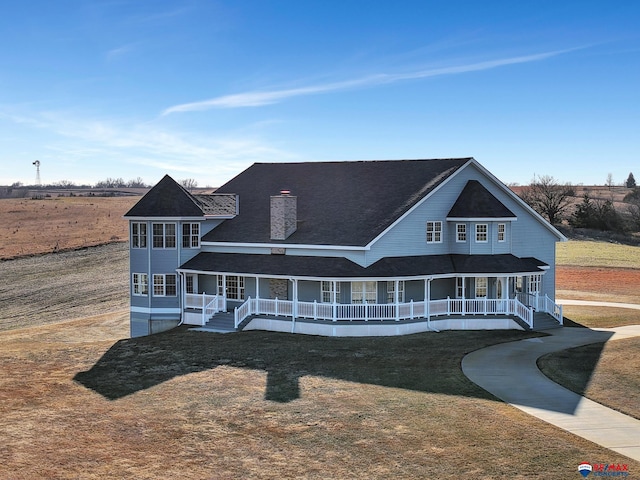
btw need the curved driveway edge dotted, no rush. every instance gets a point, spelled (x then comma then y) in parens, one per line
(591, 303)
(509, 372)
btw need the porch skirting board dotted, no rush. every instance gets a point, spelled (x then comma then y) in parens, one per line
(377, 329)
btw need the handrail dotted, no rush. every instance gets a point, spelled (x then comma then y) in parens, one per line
(391, 311)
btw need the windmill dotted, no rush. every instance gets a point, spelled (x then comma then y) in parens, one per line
(37, 164)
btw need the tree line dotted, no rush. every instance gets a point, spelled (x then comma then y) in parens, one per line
(556, 202)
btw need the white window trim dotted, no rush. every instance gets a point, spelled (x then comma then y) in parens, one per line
(534, 283)
(486, 232)
(435, 231)
(502, 233)
(328, 292)
(163, 284)
(140, 284)
(391, 291)
(164, 236)
(239, 286)
(459, 233)
(193, 239)
(194, 282)
(478, 286)
(364, 292)
(139, 236)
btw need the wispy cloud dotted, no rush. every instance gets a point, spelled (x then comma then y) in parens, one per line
(116, 142)
(260, 98)
(116, 53)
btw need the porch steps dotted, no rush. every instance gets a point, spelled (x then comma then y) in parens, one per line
(544, 321)
(222, 322)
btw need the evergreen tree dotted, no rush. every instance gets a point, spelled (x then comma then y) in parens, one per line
(631, 182)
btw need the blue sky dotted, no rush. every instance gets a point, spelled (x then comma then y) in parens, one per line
(202, 89)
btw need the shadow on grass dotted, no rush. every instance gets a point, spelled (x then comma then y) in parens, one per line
(428, 362)
(572, 368)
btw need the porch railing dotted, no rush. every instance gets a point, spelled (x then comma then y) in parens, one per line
(209, 304)
(542, 304)
(376, 312)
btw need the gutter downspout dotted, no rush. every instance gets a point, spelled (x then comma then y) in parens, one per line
(182, 298)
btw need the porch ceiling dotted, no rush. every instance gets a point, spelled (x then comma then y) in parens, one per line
(332, 267)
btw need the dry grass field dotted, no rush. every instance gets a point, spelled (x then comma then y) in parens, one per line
(80, 400)
(32, 227)
(75, 402)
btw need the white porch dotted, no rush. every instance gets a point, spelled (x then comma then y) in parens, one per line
(199, 308)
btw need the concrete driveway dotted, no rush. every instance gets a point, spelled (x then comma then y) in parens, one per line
(509, 372)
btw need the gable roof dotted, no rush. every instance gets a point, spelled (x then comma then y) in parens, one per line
(475, 201)
(166, 199)
(338, 203)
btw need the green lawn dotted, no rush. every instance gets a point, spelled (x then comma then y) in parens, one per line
(581, 253)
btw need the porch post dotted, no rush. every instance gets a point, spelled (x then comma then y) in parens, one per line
(464, 295)
(396, 299)
(183, 295)
(257, 287)
(294, 310)
(224, 291)
(427, 298)
(334, 295)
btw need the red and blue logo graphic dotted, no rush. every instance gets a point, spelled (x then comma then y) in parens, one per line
(585, 469)
(604, 469)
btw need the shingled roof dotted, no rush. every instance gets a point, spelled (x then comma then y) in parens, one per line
(336, 267)
(170, 199)
(338, 203)
(475, 201)
(166, 199)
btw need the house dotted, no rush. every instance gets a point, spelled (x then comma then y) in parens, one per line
(343, 248)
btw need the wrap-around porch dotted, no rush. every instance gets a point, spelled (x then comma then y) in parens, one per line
(336, 290)
(200, 307)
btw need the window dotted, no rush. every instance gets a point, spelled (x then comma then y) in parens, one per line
(140, 284)
(434, 232)
(234, 287)
(327, 291)
(461, 231)
(534, 283)
(363, 292)
(164, 235)
(501, 232)
(481, 287)
(138, 235)
(519, 288)
(391, 292)
(191, 283)
(481, 233)
(190, 235)
(164, 285)
(459, 287)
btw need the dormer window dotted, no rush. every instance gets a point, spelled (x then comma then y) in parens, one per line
(461, 232)
(482, 235)
(502, 228)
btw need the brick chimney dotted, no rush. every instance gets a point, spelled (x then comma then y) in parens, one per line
(284, 216)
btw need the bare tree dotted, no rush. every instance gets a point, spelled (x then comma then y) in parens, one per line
(189, 183)
(136, 183)
(609, 182)
(548, 197)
